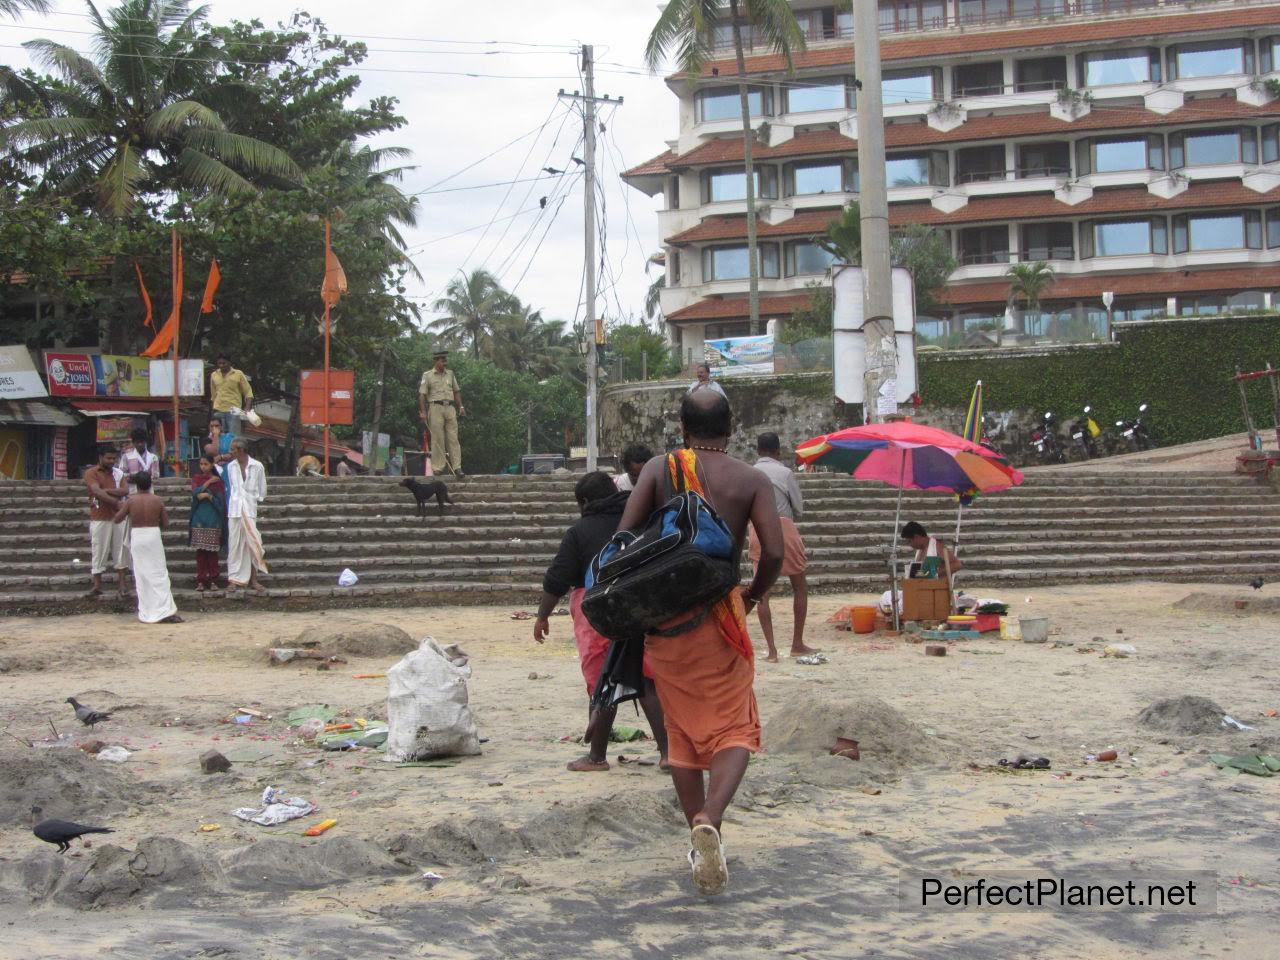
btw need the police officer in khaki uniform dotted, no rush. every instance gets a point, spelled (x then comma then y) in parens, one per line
(439, 406)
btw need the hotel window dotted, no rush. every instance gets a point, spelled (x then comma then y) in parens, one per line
(977, 79)
(820, 93)
(1118, 238)
(917, 169)
(1215, 58)
(1271, 143)
(984, 245)
(1237, 230)
(1205, 147)
(1120, 66)
(1047, 241)
(1119, 154)
(806, 258)
(912, 86)
(820, 176)
(1044, 160)
(1273, 227)
(731, 184)
(730, 262)
(732, 328)
(979, 164)
(997, 11)
(1044, 73)
(1268, 54)
(723, 103)
(899, 15)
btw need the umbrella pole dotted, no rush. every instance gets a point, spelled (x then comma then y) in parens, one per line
(893, 560)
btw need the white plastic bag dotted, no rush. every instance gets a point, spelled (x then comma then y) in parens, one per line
(114, 754)
(347, 578)
(427, 711)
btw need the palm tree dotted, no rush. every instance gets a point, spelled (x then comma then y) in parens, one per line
(1030, 281)
(128, 120)
(526, 343)
(653, 297)
(474, 305)
(345, 171)
(843, 239)
(14, 8)
(688, 27)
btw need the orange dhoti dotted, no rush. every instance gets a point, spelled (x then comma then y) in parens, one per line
(795, 560)
(705, 686)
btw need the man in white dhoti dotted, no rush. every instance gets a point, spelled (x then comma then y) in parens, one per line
(246, 481)
(147, 517)
(107, 491)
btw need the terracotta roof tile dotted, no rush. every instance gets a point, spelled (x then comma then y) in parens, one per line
(1035, 123)
(1030, 206)
(729, 308)
(1150, 283)
(651, 166)
(1013, 37)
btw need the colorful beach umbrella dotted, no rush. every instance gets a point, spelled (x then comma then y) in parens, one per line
(910, 456)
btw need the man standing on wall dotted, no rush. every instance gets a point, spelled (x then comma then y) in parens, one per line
(107, 491)
(439, 407)
(704, 381)
(229, 387)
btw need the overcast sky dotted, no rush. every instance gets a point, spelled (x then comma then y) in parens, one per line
(455, 121)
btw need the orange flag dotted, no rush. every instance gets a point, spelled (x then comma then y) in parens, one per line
(210, 288)
(146, 297)
(335, 279)
(164, 339)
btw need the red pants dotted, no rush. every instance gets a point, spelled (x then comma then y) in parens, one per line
(206, 568)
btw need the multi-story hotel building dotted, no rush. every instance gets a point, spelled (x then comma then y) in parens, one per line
(1134, 145)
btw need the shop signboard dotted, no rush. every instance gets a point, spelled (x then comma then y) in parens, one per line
(19, 379)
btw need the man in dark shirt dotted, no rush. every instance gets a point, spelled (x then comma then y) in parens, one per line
(601, 507)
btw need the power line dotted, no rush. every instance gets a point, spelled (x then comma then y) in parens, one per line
(482, 186)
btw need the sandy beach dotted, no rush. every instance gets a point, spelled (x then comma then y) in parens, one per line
(534, 861)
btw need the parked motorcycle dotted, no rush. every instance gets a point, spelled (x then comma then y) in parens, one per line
(1085, 434)
(1136, 433)
(1045, 441)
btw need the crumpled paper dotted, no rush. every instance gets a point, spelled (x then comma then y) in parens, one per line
(276, 808)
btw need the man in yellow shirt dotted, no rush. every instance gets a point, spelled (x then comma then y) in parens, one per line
(439, 393)
(228, 387)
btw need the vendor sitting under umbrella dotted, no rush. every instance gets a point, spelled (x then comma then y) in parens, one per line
(933, 558)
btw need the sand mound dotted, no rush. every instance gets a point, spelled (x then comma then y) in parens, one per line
(355, 639)
(16, 658)
(809, 727)
(563, 830)
(1185, 715)
(283, 865)
(66, 783)
(1254, 602)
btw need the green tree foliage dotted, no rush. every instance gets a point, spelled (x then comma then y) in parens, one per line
(473, 305)
(922, 250)
(633, 347)
(131, 121)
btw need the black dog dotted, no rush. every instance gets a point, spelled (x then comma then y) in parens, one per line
(424, 490)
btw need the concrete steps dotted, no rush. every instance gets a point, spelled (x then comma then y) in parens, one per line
(494, 545)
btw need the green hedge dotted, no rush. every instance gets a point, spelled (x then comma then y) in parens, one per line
(1182, 369)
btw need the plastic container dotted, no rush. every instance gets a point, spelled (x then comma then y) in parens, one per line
(1009, 629)
(1034, 629)
(864, 619)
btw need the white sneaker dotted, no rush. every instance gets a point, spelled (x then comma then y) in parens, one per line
(710, 872)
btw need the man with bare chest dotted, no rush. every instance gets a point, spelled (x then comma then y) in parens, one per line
(704, 675)
(107, 490)
(147, 519)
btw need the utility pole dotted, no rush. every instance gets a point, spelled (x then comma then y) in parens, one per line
(593, 325)
(377, 405)
(881, 342)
